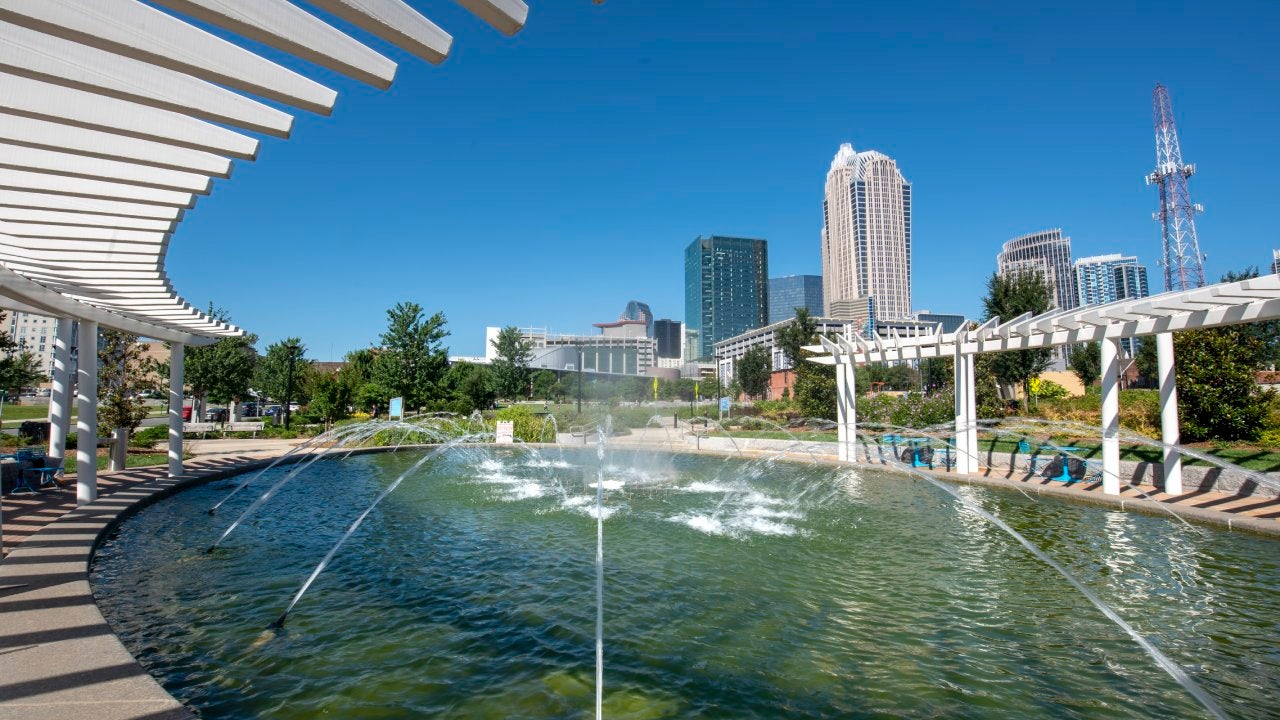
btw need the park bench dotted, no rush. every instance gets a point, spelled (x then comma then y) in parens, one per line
(253, 427)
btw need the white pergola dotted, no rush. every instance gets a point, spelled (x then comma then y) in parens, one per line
(115, 115)
(1220, 305)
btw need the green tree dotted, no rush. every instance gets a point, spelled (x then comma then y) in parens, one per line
(1009, 296)
(472, 383)
(19, 368)
(815, 389)
(357, 373)
(939, 374)
(222, 372)
(331, 396)
(123, 374)
(752, 371)
(412, 361)
(511, 367)
(1218, 394)
(271, 376)
(792, 338)
(544, 384)
(1085, 361)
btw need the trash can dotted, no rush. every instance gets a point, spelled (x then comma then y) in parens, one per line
(34, 431)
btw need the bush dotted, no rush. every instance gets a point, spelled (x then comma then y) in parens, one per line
(148, 437)
(460, 406)
(528, 426)
(1047, 389)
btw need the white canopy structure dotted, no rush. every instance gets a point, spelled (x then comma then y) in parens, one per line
(115, 115)
(1234, 303)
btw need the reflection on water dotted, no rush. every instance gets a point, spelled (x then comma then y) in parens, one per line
(734, 589)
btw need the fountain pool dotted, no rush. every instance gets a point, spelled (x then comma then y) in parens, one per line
(733, 588)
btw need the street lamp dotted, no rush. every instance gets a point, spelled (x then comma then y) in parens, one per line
(288, 383)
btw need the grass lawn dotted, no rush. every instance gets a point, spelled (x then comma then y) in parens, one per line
(15, 414)
(132, 460)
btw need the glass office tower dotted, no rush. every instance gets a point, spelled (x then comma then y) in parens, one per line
(726, 291)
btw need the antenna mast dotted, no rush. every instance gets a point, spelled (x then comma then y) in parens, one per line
(1182, 262)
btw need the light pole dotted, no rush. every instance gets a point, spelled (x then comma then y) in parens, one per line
(582, 355)
(288, 383)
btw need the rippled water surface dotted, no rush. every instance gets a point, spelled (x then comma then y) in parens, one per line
(734, 589)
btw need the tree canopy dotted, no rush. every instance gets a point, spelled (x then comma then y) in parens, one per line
(19, 368)
(123, 373)
(1085, 360)
(412, 361)
(1009, 296)
(510, 370)
(272, 376)
(752, 371)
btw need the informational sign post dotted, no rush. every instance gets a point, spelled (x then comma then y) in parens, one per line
(397, 408)
(505, 433)
(724, 407)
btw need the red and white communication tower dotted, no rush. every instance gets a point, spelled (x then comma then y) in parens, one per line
(1183, 264)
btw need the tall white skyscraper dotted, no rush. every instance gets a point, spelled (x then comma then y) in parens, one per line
(866, 233)
(1048, 253)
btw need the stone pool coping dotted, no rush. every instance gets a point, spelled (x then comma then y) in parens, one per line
(60, 660)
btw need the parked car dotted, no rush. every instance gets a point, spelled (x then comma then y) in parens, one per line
(186, 413)
(216, 415)
(249, 409)
(273, 410)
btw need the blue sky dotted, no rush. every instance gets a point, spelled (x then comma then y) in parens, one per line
(549, 178)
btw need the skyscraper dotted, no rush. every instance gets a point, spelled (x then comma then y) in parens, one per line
(866, 233)
(1108, 278)
(667, 333)
(794, 291)
(726, 291)
(1049, 253)
(637, 310)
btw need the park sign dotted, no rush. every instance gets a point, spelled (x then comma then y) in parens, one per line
(397, 408)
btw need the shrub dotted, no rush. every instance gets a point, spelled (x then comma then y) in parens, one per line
(148, 437)
(1047, 389)
(528, 426)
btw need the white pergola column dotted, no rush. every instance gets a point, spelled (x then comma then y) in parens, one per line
(87, 413)
(1111, 416)
(60, 394)
(963, 366)
(176, 354)
(971, 413)
(846, 410)
(1169, 432)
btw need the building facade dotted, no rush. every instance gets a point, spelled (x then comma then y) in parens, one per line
(34, 333)
(726, 286)
(620, 349)
(794, 291)
(1048, 253)
(1275, 262)
(1108, 278)
(668, 334)
(637, 310)
(866, 233)
(949, 322)
(729, 350)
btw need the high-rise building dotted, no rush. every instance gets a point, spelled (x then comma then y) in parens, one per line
(1275, 262)
(794, 291)
(637, 310)
(726, 291)
(667, 333)
(34, 333)
(1048, 253)
(866, 233)
(1108, 278)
